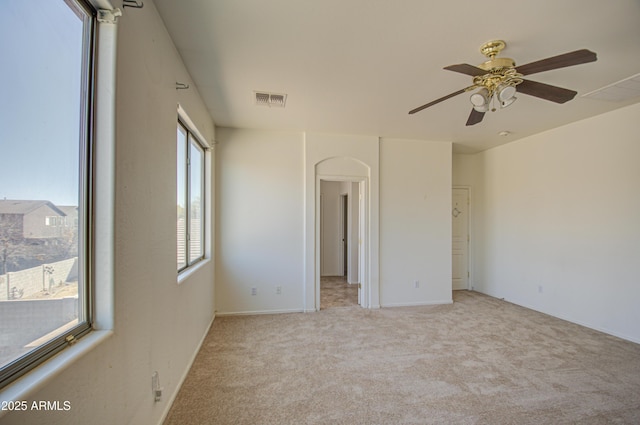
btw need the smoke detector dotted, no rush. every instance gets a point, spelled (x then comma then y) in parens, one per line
(270, 99)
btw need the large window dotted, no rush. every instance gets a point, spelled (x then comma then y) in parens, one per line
(45, 151)
(190, 196)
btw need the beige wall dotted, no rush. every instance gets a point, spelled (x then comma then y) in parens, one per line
(415, 222)
(260, 196)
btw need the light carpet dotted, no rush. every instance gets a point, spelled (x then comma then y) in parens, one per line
(335, 292)
(477, 361)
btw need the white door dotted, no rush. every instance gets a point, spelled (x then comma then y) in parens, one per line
(460, 233)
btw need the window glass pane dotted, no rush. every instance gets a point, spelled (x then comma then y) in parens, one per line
(195, 202)
(191, 198)
(44, 46)
(182, 197)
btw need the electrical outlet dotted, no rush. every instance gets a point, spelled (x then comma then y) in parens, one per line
(540, 289)
(416, 284)
(279, 290)
(155, 387)
(254, 291)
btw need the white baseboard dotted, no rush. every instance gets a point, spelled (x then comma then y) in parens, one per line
(437, 302)
(185, 373)
(257, 312)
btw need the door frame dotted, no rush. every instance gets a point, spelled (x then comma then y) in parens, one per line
(345, 228)
(470, 230)
(363, 250)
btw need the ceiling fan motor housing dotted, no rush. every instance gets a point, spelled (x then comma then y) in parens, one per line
(497, 63)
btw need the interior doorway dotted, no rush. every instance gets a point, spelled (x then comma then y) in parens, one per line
(322, 166)
(341, 256)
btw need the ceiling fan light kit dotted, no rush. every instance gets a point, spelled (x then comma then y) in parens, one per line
(506, 92)
(498, 79)
(505, 103)
(480, 99)
(503, 95)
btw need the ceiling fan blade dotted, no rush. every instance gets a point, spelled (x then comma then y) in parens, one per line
(465, 68)
(546, 91)
(420, 108)
(568, 59)
(475, 117)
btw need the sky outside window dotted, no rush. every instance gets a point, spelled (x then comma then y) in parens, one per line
(40, 49)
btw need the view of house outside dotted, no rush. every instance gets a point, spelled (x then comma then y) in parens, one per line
(38, 272)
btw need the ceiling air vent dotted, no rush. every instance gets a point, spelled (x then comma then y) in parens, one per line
(617, 92)
(270, 99)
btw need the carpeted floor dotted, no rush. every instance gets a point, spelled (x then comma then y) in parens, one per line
(336, 292)
(477, 361)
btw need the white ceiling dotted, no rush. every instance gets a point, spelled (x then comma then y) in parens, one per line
(359, 66)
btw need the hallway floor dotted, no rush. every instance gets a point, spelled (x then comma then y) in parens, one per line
(336, 292)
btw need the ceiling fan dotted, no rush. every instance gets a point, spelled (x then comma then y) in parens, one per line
(498, 80)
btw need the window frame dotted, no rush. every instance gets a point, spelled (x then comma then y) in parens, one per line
(34, 358)
(192, 138)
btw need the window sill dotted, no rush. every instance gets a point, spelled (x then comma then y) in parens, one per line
(185, 274)
(44, 373)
